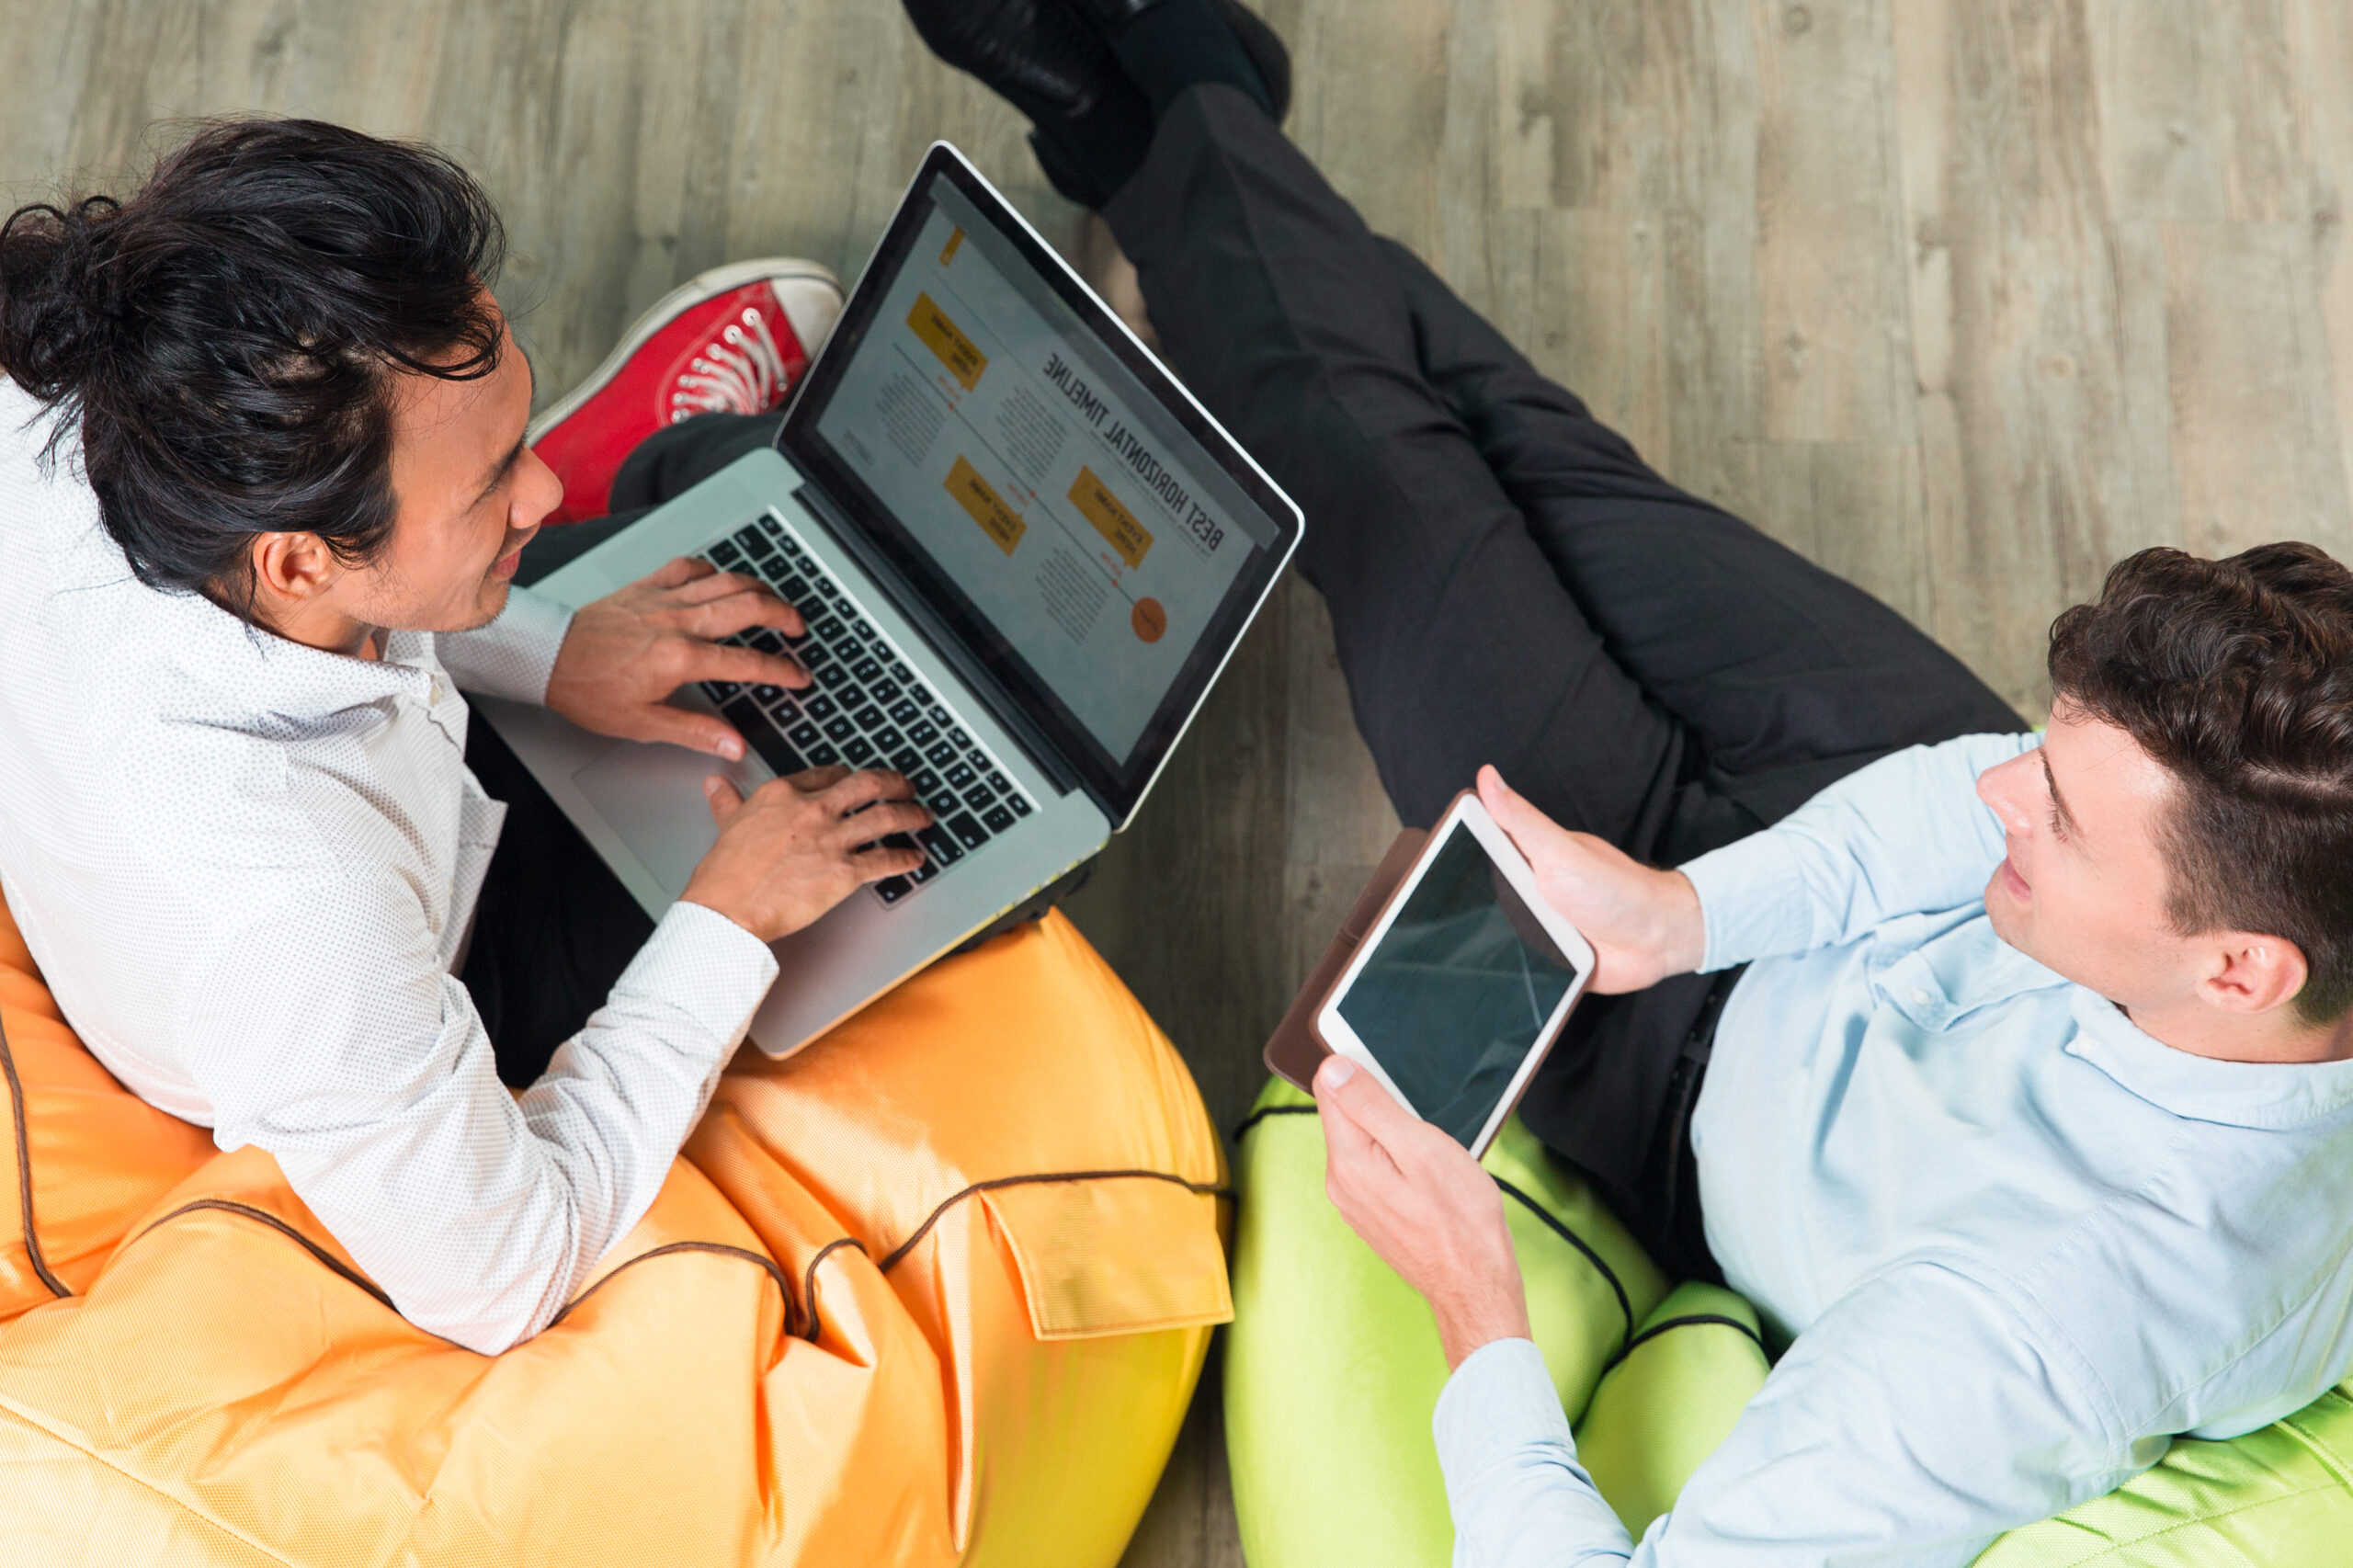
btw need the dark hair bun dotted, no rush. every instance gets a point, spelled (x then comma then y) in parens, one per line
(51, 313)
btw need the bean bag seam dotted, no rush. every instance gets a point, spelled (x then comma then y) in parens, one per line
(1256, 1117)
(1625, 1303)
(1694, 1320)
(320, 1255)
(809, 1280)
(898, 1252)
(25, 1170)
(722, 1249)
(808, 1327)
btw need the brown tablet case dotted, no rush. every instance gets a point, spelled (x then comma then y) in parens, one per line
(1296, 1050)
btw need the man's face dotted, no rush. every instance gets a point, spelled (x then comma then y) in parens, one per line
(470, 496)
(2083, 888)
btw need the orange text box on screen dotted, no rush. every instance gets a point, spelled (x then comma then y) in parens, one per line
(980, 498)
(945, 338)
(1113, 521)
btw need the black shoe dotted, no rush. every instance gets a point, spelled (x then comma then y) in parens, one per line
(1259, 42)
(1038, 54)
(1092, 125)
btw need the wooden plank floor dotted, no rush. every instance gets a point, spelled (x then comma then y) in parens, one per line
(1961, 297)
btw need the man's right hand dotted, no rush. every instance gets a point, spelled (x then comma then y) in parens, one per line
(1423, 1204)
(1645, 924)
(800, 845)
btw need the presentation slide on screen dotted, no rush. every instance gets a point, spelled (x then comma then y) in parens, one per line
(1082, 525)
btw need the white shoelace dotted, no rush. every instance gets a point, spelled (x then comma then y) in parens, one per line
(740, 373)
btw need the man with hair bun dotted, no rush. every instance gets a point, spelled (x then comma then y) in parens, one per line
(264, 489)
(2009, 1076)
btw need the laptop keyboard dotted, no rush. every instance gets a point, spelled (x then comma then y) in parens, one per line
(867, 708)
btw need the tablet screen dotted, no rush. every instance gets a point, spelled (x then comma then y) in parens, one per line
(1459, 990)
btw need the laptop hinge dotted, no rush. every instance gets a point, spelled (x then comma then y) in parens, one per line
(976, 675)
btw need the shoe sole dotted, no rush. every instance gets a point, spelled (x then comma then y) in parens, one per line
(694, 291)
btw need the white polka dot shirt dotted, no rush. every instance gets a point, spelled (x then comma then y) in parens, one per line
(247, 866)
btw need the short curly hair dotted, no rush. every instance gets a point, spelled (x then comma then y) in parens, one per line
(225, 341)
(2237, 675)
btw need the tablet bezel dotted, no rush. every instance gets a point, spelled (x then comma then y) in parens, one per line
(1466, 812)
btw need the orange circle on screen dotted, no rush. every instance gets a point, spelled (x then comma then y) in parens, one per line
(1149, 619)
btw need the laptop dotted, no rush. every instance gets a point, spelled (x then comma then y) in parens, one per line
(1024, 553)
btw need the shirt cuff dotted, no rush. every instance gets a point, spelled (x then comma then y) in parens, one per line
(1499, 1402)
(1518, 1496)
(515, 654)
(707, 967)
(1751, 892)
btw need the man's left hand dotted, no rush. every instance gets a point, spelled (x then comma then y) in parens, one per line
(1421, 1201)
(628, 651)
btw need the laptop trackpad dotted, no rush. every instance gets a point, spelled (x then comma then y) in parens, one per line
(652, 797)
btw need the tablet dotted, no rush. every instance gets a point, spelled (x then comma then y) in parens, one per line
(1456, 991)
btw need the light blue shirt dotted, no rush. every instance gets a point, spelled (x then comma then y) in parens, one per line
(2019, 1244)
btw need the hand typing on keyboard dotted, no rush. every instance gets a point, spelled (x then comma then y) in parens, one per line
(800, 845)
(865, 705)
(628, 651)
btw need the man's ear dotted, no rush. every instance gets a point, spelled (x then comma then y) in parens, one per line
(2249, 973)
(292, 569)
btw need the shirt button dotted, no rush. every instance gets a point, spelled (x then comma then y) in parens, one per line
(434, 686)
(1920, 997)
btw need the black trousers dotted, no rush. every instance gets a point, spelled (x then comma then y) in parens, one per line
(554, 928)
(1510, 584)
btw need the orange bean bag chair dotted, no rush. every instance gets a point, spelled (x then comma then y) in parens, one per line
(934, 1291)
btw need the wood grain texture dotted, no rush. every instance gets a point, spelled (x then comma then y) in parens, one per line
(1834, 321)
(2320, 53)
(1963, 298)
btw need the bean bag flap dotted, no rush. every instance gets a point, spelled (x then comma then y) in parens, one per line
(1118, 1252)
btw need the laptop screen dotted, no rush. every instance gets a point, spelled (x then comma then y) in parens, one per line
(1086, 532)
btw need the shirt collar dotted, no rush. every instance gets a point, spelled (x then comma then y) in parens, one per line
(248, 668)
(2198, 1088)
(215, 658)
(224, 666)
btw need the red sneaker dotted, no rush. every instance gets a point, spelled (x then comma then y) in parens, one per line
(732, 341)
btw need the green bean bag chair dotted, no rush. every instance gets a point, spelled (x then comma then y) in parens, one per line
(1333, 1368)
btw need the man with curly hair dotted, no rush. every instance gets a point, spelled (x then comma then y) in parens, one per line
(2009, 1076)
